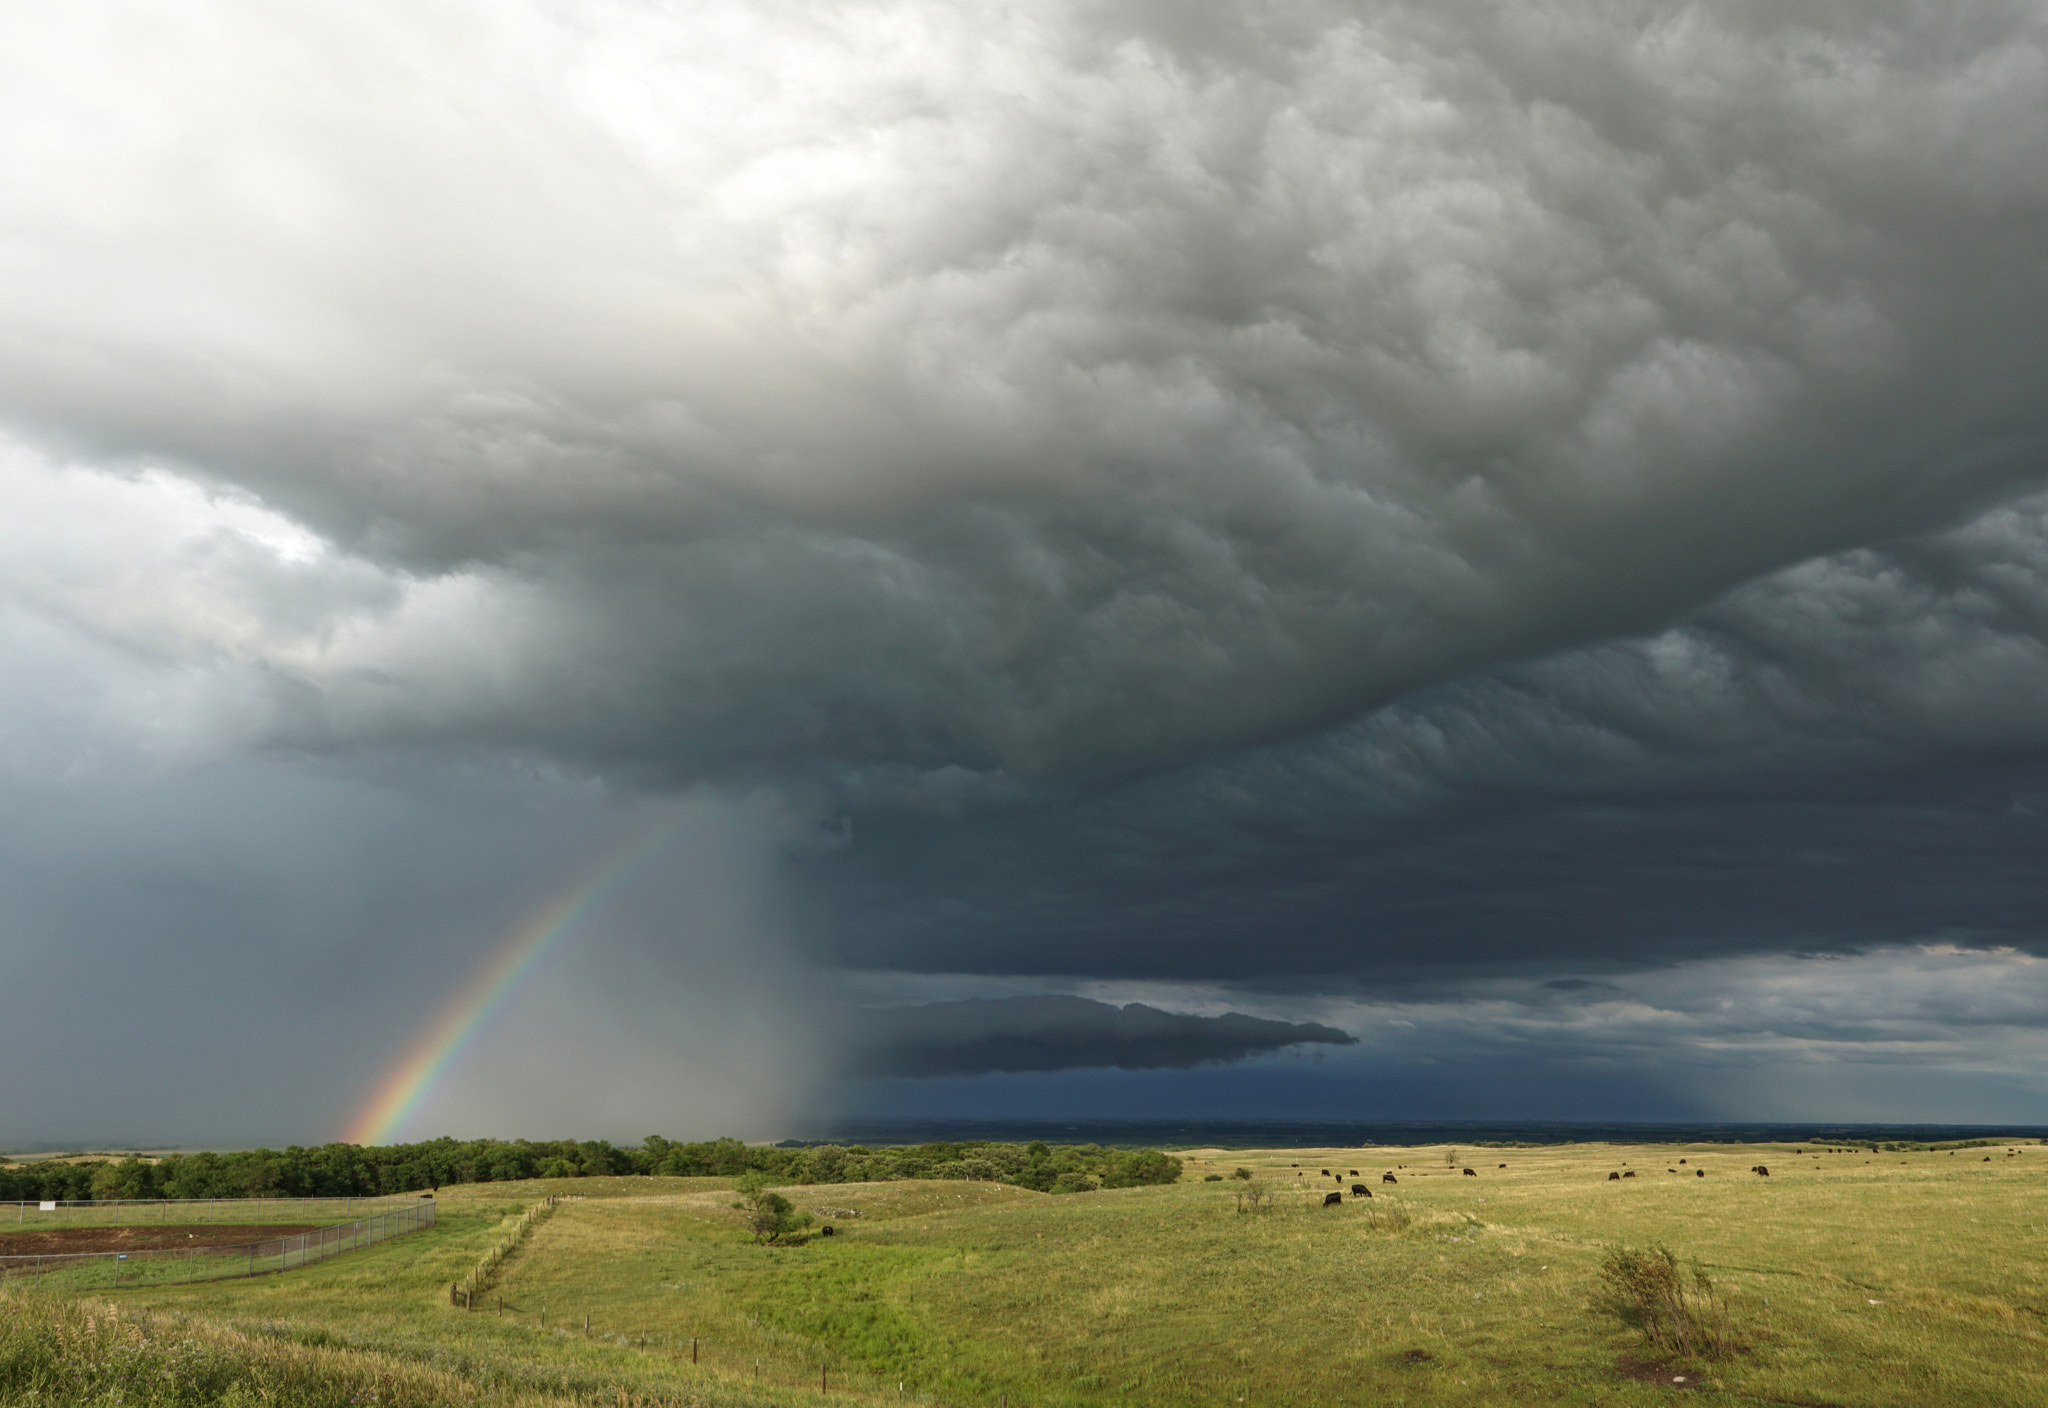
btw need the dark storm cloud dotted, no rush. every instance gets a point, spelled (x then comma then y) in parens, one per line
(1058, 1033)
(1037, 386)
(1848, 752)
(1312, 499)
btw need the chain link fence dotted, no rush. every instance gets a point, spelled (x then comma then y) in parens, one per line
(107, 1245)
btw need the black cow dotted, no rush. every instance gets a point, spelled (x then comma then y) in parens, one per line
(1760, 1169)
(1328, 1174)
(826, 1230)
(1503, 1165)
(1354, 1173)
(1470, 1174)
(1700, 1172)
(1388, 1177)
(1359, 1190)
(1331, 1200)
(1614, 1178)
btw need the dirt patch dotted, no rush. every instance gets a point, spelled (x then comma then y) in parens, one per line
(78, 1241)
(1647, 1371)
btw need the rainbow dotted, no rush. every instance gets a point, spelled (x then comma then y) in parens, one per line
(399, 1093)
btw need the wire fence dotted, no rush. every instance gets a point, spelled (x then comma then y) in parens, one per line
(71, 1255)
(134, 1212)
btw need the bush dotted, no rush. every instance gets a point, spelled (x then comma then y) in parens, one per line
(1676, 1308)
(769, 1214)
(1137, 1167)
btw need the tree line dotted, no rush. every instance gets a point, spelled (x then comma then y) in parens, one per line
(344, 1170)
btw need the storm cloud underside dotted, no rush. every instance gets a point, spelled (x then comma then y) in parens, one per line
(1334, 504)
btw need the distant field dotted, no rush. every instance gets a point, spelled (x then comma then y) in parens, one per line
(1856, 1278)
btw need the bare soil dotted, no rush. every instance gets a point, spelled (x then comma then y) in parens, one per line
(77, 1241)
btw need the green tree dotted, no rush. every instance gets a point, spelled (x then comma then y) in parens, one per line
(1140, 1166)
(769, 1214)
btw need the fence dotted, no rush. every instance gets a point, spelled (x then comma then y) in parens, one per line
(125, 1212)
(213, 1261)
(463, 1292)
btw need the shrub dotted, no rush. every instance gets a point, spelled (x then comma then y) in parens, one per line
(1243, 1173)
(1675, 1307)
(1137, 1167)
(769, 1214)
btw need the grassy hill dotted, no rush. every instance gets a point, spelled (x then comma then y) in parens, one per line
(1852, 1278)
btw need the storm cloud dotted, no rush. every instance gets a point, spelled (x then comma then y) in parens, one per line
(1317, 499)
(1056, 1033)
(1025, 386)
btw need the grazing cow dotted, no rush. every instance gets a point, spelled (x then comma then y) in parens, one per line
(1699, 1173)
(1760, 1170)
(1359, 1190)
(1331, 1200)
(1328, 1174)
(1503, 1165)
(826, 1230)
(1630, 1174)
(1388, 1177)
(1614, 1178)
(1681, 1160)
(1354, 1173)
(1470, 1174)
(1671, 1170)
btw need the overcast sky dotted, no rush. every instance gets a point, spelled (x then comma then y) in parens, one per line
(1504, 544)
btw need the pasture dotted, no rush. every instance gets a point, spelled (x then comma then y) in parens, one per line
(1851, 1278)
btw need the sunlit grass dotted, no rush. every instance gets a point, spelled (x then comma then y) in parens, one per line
(1851, 1278)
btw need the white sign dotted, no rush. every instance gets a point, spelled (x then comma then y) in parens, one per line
(49, 1207)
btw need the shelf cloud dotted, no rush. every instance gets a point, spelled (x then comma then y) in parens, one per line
(1056, 1033)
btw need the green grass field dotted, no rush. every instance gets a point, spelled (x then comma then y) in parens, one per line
(1852, 1278)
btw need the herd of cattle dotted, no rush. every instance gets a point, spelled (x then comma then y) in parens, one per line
(1359, 1190)
(1757, 1169)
